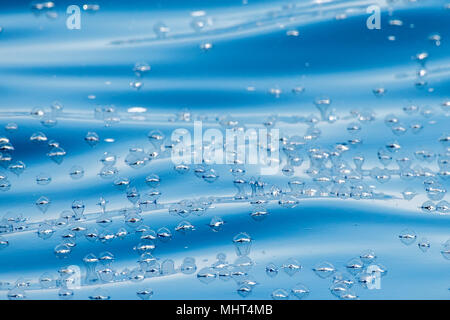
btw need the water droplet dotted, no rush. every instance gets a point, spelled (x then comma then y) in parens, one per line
(259, 214)
(133, 195)
(393, 146)
(188, 266)
(16, 294)
(106, 236)
(323, 104)
(280, 294)
(43, 179)
(47, 280)
(288, 170)
(57, 154)
(156, 138)
(446, 250)
(244, 290)
(409, 194)
(45, 231)
(424, 244)
(291, 267)
(49, 120)
(108, 172)
(148, 246)
(91, 234)
(216, 224)
(354, 266)
(161, 30)
(181, 168)
(435, 191)
(62, 251)
(164, 234)
(407, 237)
(210, 175)
(145, 293)
(206, 275)
(184, 227)
(443, 207)
(368, 257)
(17, 168)
(108, 159)
(428, 207)
(381, 175)
(288, 201)
(152, 180)
(271, 270)
(104, 220)
(38, 137)
(379, 92)
(141, 68)
(136, 84)
(92, 139)
(300, 291)
(43, 203)
(242, 242)
(78, 207)
(136, 159)
(343, 279)
(3, 243)
(100, 294)
(11, 126)
(206, 46)
(338, 288)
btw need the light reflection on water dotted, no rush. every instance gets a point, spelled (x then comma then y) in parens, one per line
(313, 71)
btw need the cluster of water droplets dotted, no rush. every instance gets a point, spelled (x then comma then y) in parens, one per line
(311, 166)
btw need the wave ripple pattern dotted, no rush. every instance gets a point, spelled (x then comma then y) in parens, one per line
(350, 101)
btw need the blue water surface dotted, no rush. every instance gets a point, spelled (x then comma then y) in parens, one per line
(230, 64)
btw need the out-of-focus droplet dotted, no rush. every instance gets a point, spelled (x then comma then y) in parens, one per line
(136, 84)
(141, 68)
(76, 172)
(161, 29)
